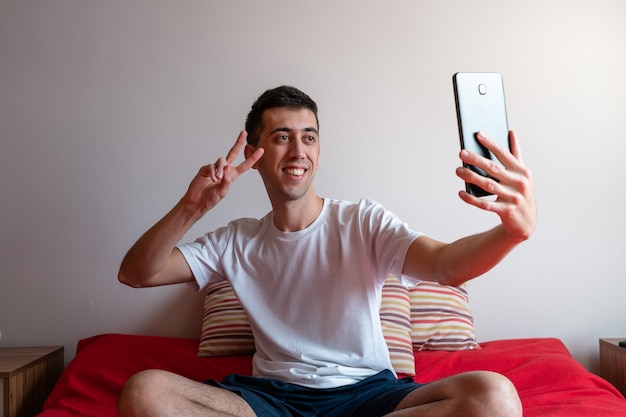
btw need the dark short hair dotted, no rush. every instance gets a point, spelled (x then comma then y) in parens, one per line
(283, 96)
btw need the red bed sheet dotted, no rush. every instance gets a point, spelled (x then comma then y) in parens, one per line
(549, 380)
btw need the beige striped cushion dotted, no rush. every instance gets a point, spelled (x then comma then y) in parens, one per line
(394, 316)
(225, 327)
(226, 331)
(441, 318)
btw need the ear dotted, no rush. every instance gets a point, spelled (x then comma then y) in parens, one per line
(248, 151)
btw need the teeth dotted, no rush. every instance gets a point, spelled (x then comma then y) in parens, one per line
(296, 172)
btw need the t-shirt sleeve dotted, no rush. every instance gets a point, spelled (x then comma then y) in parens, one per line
(391, 237)
(202, 256)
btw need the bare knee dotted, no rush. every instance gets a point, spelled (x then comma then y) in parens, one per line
(491, 394)
(145, 382)
(142, 392)
(475, 394)
(157, 393)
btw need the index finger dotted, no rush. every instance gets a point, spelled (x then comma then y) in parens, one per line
(503, 155)
(237, 147)
(250, 161)
(516, 150)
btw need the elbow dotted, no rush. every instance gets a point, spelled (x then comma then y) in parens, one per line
(127, 278)
(452, 280)
(123, 278)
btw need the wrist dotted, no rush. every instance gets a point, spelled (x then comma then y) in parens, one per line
(188, 213)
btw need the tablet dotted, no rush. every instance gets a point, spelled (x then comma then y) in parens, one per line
(480, 107)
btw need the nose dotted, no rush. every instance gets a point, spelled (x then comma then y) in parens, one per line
(296, 150)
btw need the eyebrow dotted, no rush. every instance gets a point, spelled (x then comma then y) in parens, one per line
(288, 129)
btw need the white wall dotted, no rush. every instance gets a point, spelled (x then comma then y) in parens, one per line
(107, 109)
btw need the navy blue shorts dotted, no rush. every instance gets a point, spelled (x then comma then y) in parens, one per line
(372, 397)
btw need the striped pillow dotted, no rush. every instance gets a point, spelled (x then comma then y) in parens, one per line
(225, 326)
(395, 311)
(226, 330)
(441, 318)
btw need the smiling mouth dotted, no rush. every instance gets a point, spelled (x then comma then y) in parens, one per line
(294, 171)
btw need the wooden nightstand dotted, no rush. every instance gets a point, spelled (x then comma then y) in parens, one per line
(613, 363)
(28, 375)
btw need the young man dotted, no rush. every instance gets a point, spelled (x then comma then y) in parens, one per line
(310, 273)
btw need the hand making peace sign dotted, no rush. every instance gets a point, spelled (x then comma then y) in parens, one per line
(213, 181)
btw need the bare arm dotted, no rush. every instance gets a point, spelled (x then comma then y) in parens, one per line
(469, 257)
(153, 259)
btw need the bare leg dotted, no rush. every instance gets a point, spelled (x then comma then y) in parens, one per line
(471, 394)
(156, 393)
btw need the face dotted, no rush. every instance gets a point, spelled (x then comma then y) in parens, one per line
(291, 143)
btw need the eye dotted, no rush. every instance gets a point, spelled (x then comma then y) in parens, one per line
(282, 138)
(311, 139)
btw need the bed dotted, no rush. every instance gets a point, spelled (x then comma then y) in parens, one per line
(428, 330)
(550, 382)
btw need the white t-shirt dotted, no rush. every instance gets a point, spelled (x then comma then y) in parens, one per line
(312, 296)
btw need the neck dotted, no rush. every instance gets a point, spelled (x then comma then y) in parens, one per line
(297, 215)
